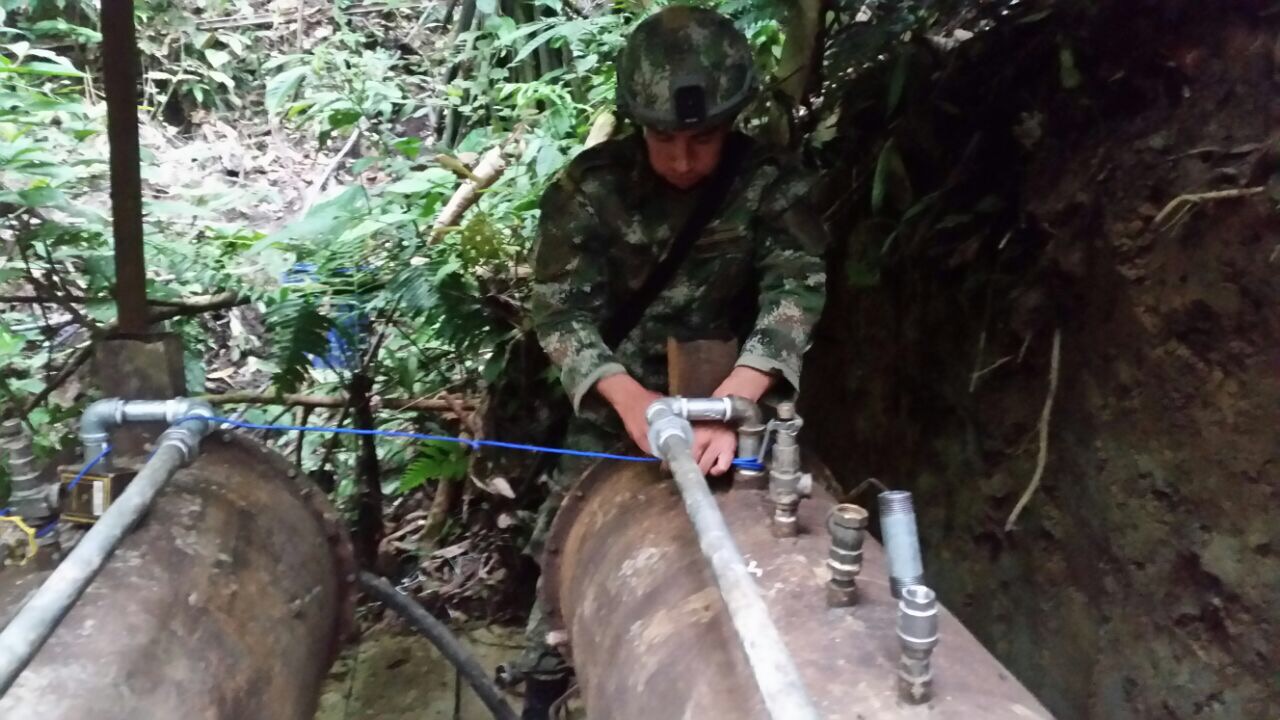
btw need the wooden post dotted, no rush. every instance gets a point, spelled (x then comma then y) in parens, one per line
(695, 368)
(119, 59)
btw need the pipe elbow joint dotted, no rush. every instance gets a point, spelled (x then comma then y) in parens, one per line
(745, 413)
(96, 424)
(666, 422)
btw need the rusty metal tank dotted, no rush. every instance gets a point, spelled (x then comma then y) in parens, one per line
(227, 602)
(651, 638)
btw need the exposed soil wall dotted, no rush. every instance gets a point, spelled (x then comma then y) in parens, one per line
(1143, 578)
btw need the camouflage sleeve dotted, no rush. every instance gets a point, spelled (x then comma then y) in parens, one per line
(570, 290)
(792, 277)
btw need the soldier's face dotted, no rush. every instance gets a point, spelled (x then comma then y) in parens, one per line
(685, 158)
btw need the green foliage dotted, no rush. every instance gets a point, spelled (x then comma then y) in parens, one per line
(433, 463)
(442, 306)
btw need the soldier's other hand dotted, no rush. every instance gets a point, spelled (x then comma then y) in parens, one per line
(630, 400)
(714, 445)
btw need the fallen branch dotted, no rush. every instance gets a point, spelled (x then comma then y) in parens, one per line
(435, 404)
(486, 172)
(1184, 203)
(313, 193)
(1044, 434)
(200, 303)
(194, 306)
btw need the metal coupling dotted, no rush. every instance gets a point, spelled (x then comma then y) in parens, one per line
(901, 540)
(784, 471)
(751, 434)
(918, 633)
(847, 524)
(665, 422)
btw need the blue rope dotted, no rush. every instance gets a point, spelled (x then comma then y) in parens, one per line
(748, 464)
(85, 470)
(745, 463)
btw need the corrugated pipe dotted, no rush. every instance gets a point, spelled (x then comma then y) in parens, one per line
(445, 641)
(23, 637)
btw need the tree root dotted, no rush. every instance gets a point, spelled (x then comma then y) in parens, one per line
(1045, 415)
(1183, 204)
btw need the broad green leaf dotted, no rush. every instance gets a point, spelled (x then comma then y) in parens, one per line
(424, 181)
(223, 78)
(232, 41)
(10, 343)
(46, 69)
(548, 160)
(217, 58)
(326, 220)
(891, 181)
(555, 31)
(282, 87)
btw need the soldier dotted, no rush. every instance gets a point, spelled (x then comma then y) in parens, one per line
(685, 229)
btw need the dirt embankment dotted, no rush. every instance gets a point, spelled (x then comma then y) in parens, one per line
(1142, 579)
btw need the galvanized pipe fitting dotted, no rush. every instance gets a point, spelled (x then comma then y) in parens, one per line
(739, 411)
(774, 669)
(918, 632)
(784, 471)
(27, 632)
(103, 416)
(847, 525)
(901, 540)
(28, 497)
(751, 434)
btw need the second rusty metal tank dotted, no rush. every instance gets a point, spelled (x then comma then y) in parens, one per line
(227, 602)
(650, 636)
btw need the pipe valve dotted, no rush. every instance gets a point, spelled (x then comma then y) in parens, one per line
(784, 471)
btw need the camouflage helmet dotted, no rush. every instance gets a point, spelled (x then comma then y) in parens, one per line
(685, 67)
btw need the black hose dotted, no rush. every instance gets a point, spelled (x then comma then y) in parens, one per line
(444, 640)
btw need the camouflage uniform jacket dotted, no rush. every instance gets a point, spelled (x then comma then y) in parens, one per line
(608, 219)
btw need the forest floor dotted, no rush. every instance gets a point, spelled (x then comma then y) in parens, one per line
(390, 675)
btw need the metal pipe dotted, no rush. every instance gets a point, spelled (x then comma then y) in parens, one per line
(103, 416)
(918, 632)
(625, 584)
(774, 670)
(228, 601)
(735, 410)
(445, 641)
(901, 540)
(23, 637)
(847, 524)
(729, 409)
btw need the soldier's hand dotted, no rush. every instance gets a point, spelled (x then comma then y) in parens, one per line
(630, 400)
(714, 445)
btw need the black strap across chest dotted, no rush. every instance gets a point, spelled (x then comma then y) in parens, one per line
(711, 199)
